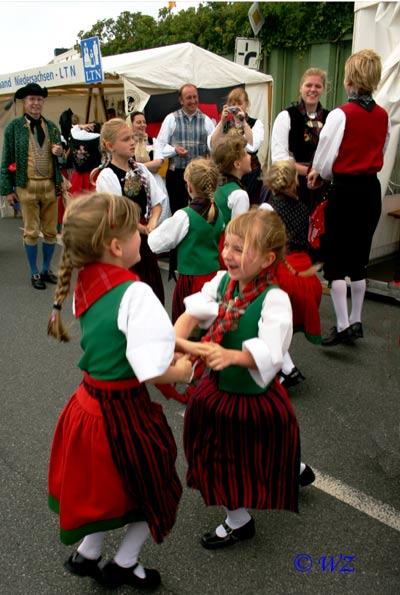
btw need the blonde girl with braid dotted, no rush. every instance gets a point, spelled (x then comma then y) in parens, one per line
(102, 473)
(194, 232)
(296, 274)
(120, 174)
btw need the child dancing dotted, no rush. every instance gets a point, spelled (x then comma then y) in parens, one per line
(120, 174)
(113, 456)
(194, 231)
(241, 436)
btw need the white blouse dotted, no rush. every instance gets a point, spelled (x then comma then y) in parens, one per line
(107, 181)
(280, 137)
(275, 328)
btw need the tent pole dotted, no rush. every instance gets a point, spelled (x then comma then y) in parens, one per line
(103, 101)
(89, 101)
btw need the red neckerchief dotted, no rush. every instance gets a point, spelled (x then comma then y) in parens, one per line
(94, 280)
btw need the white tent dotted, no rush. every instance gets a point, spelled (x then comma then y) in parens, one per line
(138, 75)
(377, 26)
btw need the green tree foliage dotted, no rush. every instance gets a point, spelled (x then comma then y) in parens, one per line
(215, 26)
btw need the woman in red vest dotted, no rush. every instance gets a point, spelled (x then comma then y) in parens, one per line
(350, 152)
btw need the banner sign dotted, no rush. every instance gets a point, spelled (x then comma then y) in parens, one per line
(91, 58)
(51, 75)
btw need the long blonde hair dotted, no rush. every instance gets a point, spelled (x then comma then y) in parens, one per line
(108, 134)
(203, 175)
(281, 176)
(90, 223)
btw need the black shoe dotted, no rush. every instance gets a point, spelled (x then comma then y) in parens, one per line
(307, 477)
(78, 564)
(357, 330)
(113, 575)
(211, 541)
(295, 377)
(49, 277)
(335, 337)
(37, 281)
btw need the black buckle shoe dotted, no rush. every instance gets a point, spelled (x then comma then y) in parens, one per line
(37, 281)
(335, 337)
(357, 330)
(307, 477)
(295, 377)
(49, 277)
(113, 575)
(211, 541)
(78, 564)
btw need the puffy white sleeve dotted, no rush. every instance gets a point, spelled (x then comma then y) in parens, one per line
(203, 305)
(258, 137)
(150, 336)
(275, 329)
(169, 233)
(165, 134)
(238, 202)
(107, 181)
(280, 137)
(330, 139)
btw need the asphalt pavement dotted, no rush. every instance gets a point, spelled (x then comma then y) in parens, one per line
(346, 538)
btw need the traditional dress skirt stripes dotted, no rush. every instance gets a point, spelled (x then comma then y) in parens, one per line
(242, 450)
(148, 270)
(187, 285)
(113, 461)
(351, 216)
(304, 293)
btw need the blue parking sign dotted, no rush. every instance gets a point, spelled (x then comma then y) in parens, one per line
(91, 57)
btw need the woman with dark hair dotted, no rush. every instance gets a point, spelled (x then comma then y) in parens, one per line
(296, 131)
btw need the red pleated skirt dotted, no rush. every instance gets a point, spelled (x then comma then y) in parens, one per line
(242, 450)
(104, 473)
(304, 293)
(187, 285)
(80, 183)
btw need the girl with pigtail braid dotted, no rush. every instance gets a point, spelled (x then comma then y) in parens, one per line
(102, 474)
(194, 231)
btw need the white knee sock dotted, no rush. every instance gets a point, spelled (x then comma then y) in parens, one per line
(92, 545)
(234, 519)
(287, 365)
(339, 299)
(131, 545)
(357, 299)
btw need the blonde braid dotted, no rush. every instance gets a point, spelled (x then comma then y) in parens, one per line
(55, 326)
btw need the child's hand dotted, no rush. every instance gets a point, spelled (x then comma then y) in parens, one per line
(184, 366)
(190, 347)
(216, 357)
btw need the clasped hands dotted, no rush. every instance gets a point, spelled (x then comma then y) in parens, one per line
(214, 356)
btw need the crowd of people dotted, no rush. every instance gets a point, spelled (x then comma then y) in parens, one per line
(247, 279)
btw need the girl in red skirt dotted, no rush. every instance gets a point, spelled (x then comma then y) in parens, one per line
(194, 231)
(113, 455)
(241, 435)
(296, 273)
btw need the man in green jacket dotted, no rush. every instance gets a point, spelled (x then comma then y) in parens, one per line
(31, 147)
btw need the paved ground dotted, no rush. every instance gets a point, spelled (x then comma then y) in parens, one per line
(348, 409)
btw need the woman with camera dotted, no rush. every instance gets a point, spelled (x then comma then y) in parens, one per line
(234, 116)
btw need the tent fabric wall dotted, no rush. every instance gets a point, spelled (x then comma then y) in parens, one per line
(377, 26)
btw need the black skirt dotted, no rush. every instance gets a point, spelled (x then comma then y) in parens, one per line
(351, 216)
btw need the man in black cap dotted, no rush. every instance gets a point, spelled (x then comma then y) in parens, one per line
(31, 146)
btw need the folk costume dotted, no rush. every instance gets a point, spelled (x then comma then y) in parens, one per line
(190, 132)
(251, 181)
(196, 241)
(304, 292)
(138, 185)
(241, 436)
(85, 156)
(295, 134)
(113, 454)
(37, 179)
(351, 154)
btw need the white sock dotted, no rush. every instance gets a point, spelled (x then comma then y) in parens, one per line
(287, 365)
(234, 519)
(302, 467)
(128, 552)
(357, 299)
(339, 299)
(92, 545)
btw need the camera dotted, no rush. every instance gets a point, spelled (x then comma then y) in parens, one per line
(234, 110)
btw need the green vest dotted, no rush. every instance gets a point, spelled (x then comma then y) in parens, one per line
(103, 344)
(198, 252)
(236, 379)
(221, 199)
